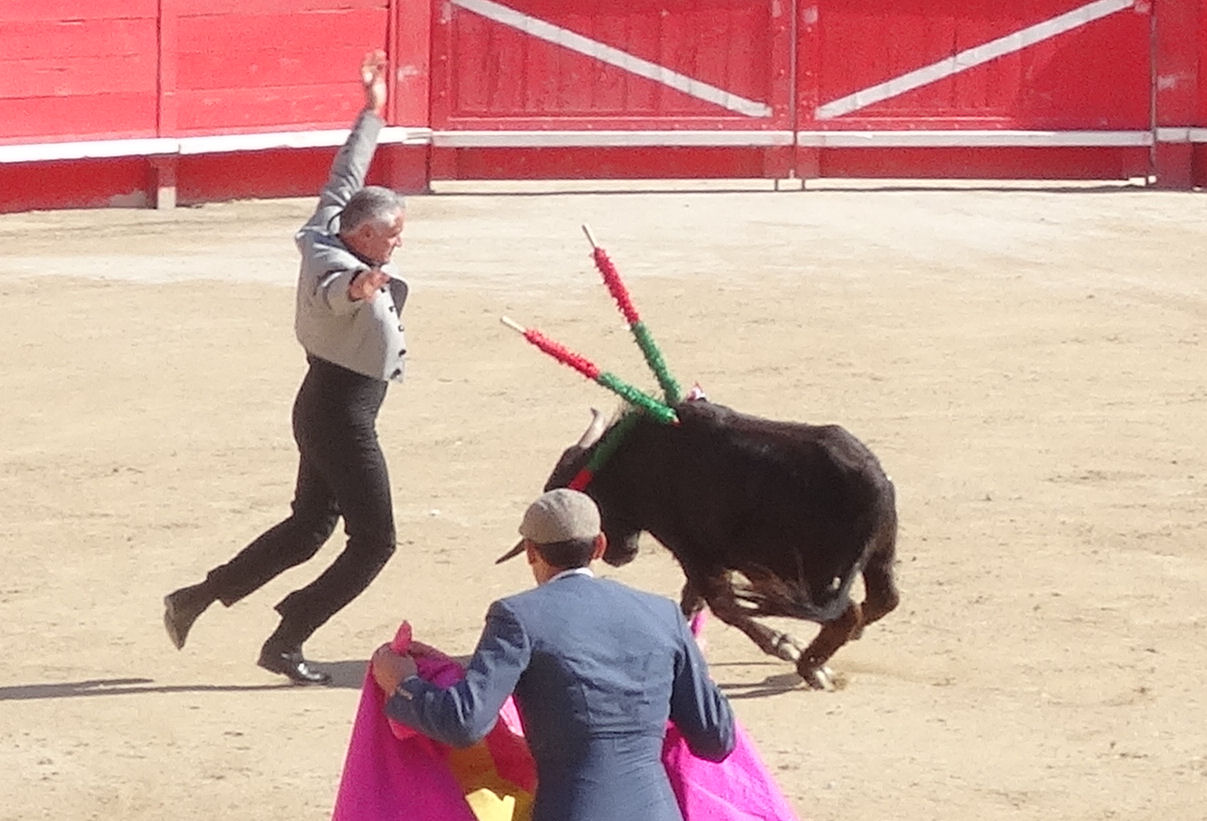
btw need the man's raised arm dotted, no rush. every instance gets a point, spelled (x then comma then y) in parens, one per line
(352, 161)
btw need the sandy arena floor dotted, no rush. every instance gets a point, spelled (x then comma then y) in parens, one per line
(1030, 365)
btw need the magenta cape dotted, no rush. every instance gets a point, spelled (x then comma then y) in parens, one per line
(392, 773)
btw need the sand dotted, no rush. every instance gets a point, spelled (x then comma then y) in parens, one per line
(1029, 363)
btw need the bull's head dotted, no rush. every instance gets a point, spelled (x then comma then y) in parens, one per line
(622, 537)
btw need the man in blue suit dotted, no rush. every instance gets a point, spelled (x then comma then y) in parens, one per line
(597, 669)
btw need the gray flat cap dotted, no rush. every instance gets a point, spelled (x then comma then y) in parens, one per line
(559, 516)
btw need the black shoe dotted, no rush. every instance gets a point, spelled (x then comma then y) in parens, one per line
(180, 609)
(289, 662)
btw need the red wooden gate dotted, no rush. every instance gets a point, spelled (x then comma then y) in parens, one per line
(1038, 88)
(136, 102)
(543, 88)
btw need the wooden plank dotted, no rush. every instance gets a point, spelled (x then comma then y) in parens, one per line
(268, 66)
(299, 173)
(191, 8)
(310, 33)
(73, 76)
(231, 110)
(80, 38)
(605, 163)
(74, 184)
(985, 163)
(29, 11)
(93, 116)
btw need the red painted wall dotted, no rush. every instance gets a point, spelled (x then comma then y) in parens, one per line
(178, 69)
(265, 65)
(71, 70)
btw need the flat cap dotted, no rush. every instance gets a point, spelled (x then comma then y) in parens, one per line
(559, 516)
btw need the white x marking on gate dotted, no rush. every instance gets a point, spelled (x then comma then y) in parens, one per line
(972, 57)
(565, 38)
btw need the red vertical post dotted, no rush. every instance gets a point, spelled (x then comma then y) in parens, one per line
(161, 179)
(1199, 149)
(169, 42)
(808, 73)
(411, 53)
(780, 162)
(410, 46)
(161, 182)
(1176, 89)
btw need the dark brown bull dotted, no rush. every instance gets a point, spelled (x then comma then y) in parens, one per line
(766, 519)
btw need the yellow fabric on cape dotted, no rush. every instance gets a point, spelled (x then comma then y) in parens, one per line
(489, 795)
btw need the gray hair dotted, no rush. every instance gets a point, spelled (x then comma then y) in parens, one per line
(371, 203)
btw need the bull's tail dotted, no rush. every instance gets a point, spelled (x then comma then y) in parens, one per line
(764, 594)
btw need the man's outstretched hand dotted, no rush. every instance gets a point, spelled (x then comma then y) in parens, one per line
(373, 78)
(367, 284)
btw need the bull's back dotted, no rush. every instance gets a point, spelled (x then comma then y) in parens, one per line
(728, 490)
(823, 466)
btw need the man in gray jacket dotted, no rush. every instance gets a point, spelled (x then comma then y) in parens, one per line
(349, 305)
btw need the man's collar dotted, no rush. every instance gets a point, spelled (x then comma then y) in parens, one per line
(573, 571)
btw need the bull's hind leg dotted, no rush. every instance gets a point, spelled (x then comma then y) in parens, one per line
(880, 586)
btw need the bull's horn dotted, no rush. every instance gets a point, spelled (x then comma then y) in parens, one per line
(594, 430)
(511, 554)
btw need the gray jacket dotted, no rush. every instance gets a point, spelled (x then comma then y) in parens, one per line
(366, 337)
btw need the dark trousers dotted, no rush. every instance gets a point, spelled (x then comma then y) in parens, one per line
(341, 472)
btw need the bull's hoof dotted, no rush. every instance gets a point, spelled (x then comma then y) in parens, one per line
(819, 678)
(783, 646)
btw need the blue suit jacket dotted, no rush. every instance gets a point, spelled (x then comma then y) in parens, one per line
(597, 669)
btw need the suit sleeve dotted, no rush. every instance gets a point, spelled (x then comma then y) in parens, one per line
(348, 169)
(464, 713)
(698, 708)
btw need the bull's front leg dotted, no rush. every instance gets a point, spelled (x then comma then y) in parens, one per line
(691, 601)
(719, 593)
(811, 666)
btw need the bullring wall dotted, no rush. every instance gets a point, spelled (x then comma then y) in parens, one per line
(159, 102)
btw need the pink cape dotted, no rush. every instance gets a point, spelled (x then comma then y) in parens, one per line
(392, 773)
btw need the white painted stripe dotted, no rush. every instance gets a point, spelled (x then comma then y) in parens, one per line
(603, 139)
(87, 150)
(223, 143)
(952, 138)
(220, 143)
(1173, 135)
(973, 57)
(565, 38)
(971, 139)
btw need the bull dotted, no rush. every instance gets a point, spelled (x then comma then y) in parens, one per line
(765, 518)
